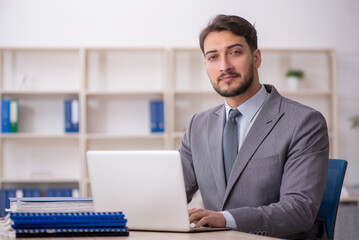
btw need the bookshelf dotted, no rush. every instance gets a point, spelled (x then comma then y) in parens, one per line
(114, 87)
(318, 89)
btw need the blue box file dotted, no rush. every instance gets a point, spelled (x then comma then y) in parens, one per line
(72, 115)
(157, 116)
(5, 116)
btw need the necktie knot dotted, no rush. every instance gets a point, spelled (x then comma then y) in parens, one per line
(234, 113)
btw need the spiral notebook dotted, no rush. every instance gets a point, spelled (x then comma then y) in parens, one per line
(58, 224)
(148, 186)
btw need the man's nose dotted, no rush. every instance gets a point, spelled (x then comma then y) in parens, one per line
(225, 65)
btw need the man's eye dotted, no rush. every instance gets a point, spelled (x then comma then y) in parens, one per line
(211, 58)
(235, 52)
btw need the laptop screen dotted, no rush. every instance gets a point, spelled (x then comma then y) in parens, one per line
(147, 186)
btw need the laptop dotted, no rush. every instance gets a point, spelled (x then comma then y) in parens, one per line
(147, 186)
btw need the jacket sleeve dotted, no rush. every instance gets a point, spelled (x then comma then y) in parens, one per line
(187, 164)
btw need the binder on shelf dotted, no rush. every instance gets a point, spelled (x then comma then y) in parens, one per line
(157, 116)
(31, 192)
(14, 106)
(5, 115)
(9, 115)
(62, 192)
(72, 115)
(7, 194)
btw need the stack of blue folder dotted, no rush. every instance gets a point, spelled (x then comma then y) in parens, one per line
(66, 224)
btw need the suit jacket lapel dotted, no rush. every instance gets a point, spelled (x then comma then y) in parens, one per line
(215, 130)
(262, 126)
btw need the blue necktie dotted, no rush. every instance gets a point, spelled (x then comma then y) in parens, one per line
(230, 141)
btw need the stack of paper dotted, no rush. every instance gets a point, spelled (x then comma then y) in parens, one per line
(51, 204)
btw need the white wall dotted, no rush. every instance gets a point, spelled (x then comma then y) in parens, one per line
(280, 23)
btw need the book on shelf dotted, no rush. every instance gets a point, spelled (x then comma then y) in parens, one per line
(6, 194)
(62, 192)
(9, 115)
(51, 204)
(157, 121)
(14, 108)
(60, 224)
(72, 116)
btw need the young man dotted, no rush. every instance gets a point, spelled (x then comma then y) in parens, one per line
(272, 183)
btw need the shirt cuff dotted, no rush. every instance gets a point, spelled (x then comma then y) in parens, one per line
(230, 222)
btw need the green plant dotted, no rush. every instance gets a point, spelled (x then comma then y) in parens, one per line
(355, 121)
(295, 73)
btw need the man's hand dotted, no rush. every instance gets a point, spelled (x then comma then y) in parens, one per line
(206, 218)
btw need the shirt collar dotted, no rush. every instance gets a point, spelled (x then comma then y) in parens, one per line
(250, 107)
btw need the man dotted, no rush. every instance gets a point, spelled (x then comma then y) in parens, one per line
(274, 184)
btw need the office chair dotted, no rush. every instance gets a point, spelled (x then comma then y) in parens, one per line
(329, 206)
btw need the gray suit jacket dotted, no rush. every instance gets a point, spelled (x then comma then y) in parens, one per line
(278, 178)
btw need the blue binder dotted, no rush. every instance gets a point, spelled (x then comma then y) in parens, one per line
(69, 224)
(157, 116)
(59, 192)
(71, 232)
(31, 192)
(68, 220)
(72, 115)
(13, 115)
(7, 195)
(5, 116)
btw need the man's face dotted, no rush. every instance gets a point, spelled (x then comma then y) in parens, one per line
(229, 62)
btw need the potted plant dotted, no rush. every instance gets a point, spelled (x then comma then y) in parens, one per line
(294, 76)
(355, 121)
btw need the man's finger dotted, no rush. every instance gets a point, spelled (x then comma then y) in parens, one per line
(195, 217)
(195, 210)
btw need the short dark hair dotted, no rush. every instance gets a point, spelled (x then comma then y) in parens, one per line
(236, 25)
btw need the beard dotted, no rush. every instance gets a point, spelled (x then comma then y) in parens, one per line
(241, 88)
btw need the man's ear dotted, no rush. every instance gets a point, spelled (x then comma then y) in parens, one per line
(257, 58)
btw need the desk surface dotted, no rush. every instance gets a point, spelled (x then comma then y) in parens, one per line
(140, 235)
(349, 199)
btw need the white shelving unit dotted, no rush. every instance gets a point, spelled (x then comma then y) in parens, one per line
(40, 153)
(318, 89)
(114, 87)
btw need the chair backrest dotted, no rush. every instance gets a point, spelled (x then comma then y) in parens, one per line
(329, 206)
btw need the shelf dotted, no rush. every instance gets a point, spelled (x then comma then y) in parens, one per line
(124, 137)
(178, 134)
(123, 93)
(37, 93)
(300, 92)
(125, 70)
(41, 69)
(306, 93)
(297, 50)
(40, 180)
(73, 136)
(193, 92)
(114, 87)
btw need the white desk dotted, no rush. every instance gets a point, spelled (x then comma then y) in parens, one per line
(228, 235)
(349, 199)
(141, 235)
